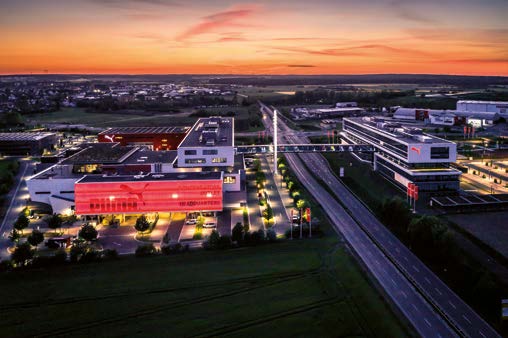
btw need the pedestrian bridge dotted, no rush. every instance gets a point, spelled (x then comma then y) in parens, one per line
(305, 148)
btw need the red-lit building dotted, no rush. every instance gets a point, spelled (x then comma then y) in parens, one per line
(174, 192)
(156, 138)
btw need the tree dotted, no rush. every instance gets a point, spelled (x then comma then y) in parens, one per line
(396, 214)
(142, 224)
(426, 233)
(22, 254)
(21, 223)
(300, 204)
(268, 212)
(237, 233)
(88, 232)
(214, 240)
(35, 238)
(14, 236)
(271, 236)
(54, 221)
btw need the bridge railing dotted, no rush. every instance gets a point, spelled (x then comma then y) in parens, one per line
(305, 148)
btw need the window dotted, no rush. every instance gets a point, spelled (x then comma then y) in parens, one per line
(195, 160)
(439, 152)
(210, 152)
(229, 180)
(42, 192)
(219, 160)
(67, 191)
(190, 152)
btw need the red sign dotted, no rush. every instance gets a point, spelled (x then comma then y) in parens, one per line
(308, 214)
(417, 150)
(147, 196)
(415, 192)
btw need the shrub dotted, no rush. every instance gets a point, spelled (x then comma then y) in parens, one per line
(110, 254)
(257, 237)
(6, 265)
(237, 232)
(91, 255)
(35, 238)
(146, 250)
(22, 254)
(224, 242)
(76, 253)
(142, 224)
(271, 236)
(88, 232)
(484, 176)
(60, 256)
(172, 249)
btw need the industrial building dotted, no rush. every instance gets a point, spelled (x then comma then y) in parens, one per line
(206, 156)
(156, 138)
(499, 107)
(405, 155)
(447, 117)
(23, 144)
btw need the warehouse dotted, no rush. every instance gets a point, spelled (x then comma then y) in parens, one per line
(23, 144)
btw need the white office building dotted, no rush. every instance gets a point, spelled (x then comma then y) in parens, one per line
(499, 107)
(405, 155)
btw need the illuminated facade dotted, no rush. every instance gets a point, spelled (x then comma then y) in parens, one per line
(156, 138)
(150, 193)
(405, 155)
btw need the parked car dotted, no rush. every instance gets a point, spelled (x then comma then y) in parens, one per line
(209, 225)
(191, 221)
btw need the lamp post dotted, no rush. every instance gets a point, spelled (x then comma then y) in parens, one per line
(275, 143)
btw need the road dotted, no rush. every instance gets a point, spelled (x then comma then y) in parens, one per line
(16, 199)
(423, 290)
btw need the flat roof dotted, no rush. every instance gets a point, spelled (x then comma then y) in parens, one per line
(151, 156)
(24, 136)
(206, 175)
(144, 130)
(103, 153)
(396, 130)
(217, 128)
(482, 102)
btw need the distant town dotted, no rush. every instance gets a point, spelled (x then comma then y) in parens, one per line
(409, 180)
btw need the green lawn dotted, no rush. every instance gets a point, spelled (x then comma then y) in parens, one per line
(309, 288)
(367, 184)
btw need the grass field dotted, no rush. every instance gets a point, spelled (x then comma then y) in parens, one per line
(309, 288)
(368, 185)
(80, 116)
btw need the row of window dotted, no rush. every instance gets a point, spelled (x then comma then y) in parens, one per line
(49, 192)
(204, 152)
(203, 160)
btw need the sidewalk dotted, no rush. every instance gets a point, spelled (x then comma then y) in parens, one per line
(278, 203)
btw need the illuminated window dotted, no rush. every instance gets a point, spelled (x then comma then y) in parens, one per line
(210, 152)
(164, 140)
(191, 152)
(219, 160)
(195, 160)
(229, 180)
(119, 137)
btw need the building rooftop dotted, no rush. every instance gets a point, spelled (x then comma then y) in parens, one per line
(393, 129)
(104, 153)
(24, 136)
(143, 156)
(209, 175)
(144, 130)
(211, 131)
(482, 102)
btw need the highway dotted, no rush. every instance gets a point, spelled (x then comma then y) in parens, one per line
(425, 300)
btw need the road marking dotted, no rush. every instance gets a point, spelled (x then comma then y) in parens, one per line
(464, 316)
(428, 323)
(397, 249)
(416, 269)
(480, 332)
(427, 280)
(452, 304)
(404, 294)
(438, 291)
(393, 281)
(407, 260)
(414, 306)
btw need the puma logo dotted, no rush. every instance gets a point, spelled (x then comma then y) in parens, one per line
(110, 138)
(417, 150)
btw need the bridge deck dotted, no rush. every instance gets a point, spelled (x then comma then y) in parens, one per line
(305, 148)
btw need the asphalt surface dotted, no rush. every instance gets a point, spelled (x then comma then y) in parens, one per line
(425, 300)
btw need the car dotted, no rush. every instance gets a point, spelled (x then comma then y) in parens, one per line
(191, 222)
(209, 225)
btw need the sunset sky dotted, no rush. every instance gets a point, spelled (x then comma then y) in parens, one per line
(256, 37)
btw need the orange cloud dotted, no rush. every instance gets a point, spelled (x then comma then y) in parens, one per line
(224, 19)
